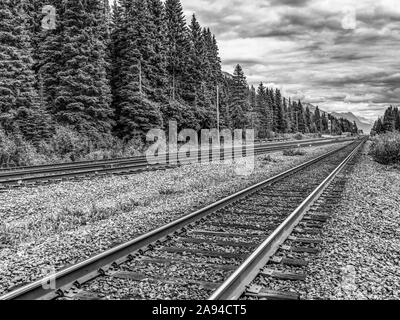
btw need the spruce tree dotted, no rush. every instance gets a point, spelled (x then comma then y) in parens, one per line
(177, 47)
(278, 112)
(198, 69)
(307, 117)
(389, 120)
(286, 116)
(317, 120)
(133, 53)
(397, 119)
(379, 126)
(261, 109)
(83, 98)
(325, 124)
(20, 110)
(158, 76)
(49, 57)
(239, 105)
(300, 117)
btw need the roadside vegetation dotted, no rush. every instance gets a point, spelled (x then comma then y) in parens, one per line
(65, 145)
(293, 152)
(385, 148)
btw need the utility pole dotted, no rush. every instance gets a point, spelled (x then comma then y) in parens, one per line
(173, 85)
(41, 87)
(140, 78)
(218, 125)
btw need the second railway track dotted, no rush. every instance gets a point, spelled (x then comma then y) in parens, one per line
(216, 251)
(30, 176)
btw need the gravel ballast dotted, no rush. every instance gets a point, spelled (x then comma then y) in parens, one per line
(47, 228)
(360, 256)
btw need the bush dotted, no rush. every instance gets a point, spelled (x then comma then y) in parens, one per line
(292, 152)
(298, 136)
(15, 151)
(270, 135)
(267, 159)
(65, 145)
(385, 149)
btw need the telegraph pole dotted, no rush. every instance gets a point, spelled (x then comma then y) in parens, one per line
(140, 77)
(218, 126)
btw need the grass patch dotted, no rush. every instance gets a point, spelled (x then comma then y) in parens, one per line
(385, 148)
(293, 152)
(298, 136)
(267, 159)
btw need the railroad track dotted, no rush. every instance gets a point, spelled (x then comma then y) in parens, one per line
(217, 251)
(31, 176)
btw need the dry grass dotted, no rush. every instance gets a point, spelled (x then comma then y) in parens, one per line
(385, 148)
(293, 152)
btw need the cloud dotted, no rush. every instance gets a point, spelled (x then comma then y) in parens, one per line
(302, 47)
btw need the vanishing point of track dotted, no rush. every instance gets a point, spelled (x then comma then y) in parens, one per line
(217, 251)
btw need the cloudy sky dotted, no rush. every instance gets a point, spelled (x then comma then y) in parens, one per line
(342, 55)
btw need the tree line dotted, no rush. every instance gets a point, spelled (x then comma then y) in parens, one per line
(123, 70)
(388, 123)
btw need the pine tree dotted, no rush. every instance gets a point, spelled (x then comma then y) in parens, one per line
(317, 120)
(300, 117)
(48, 56)
(324, 122)
(198, 70)
(260, 109)
(379, 126)
(225, 94)
(389, 120)
(20, 109)
(158, 77)
(278, 112)
(397, 119)
(83, 98)
(177, 47)
(239, 105)
(307, 117)
(133, 54)
(287, 116)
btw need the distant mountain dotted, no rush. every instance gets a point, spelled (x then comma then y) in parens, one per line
(362, 123)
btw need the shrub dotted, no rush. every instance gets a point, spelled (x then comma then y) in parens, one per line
(270, 135)
(292, 152)
(267, 159)
(15, 151)
(298, 136)
(385, 149)
(65, 145)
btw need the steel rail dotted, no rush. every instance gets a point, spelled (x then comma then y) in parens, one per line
(236, 284)
(18, 177)
(98, 265)
(22, 169)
